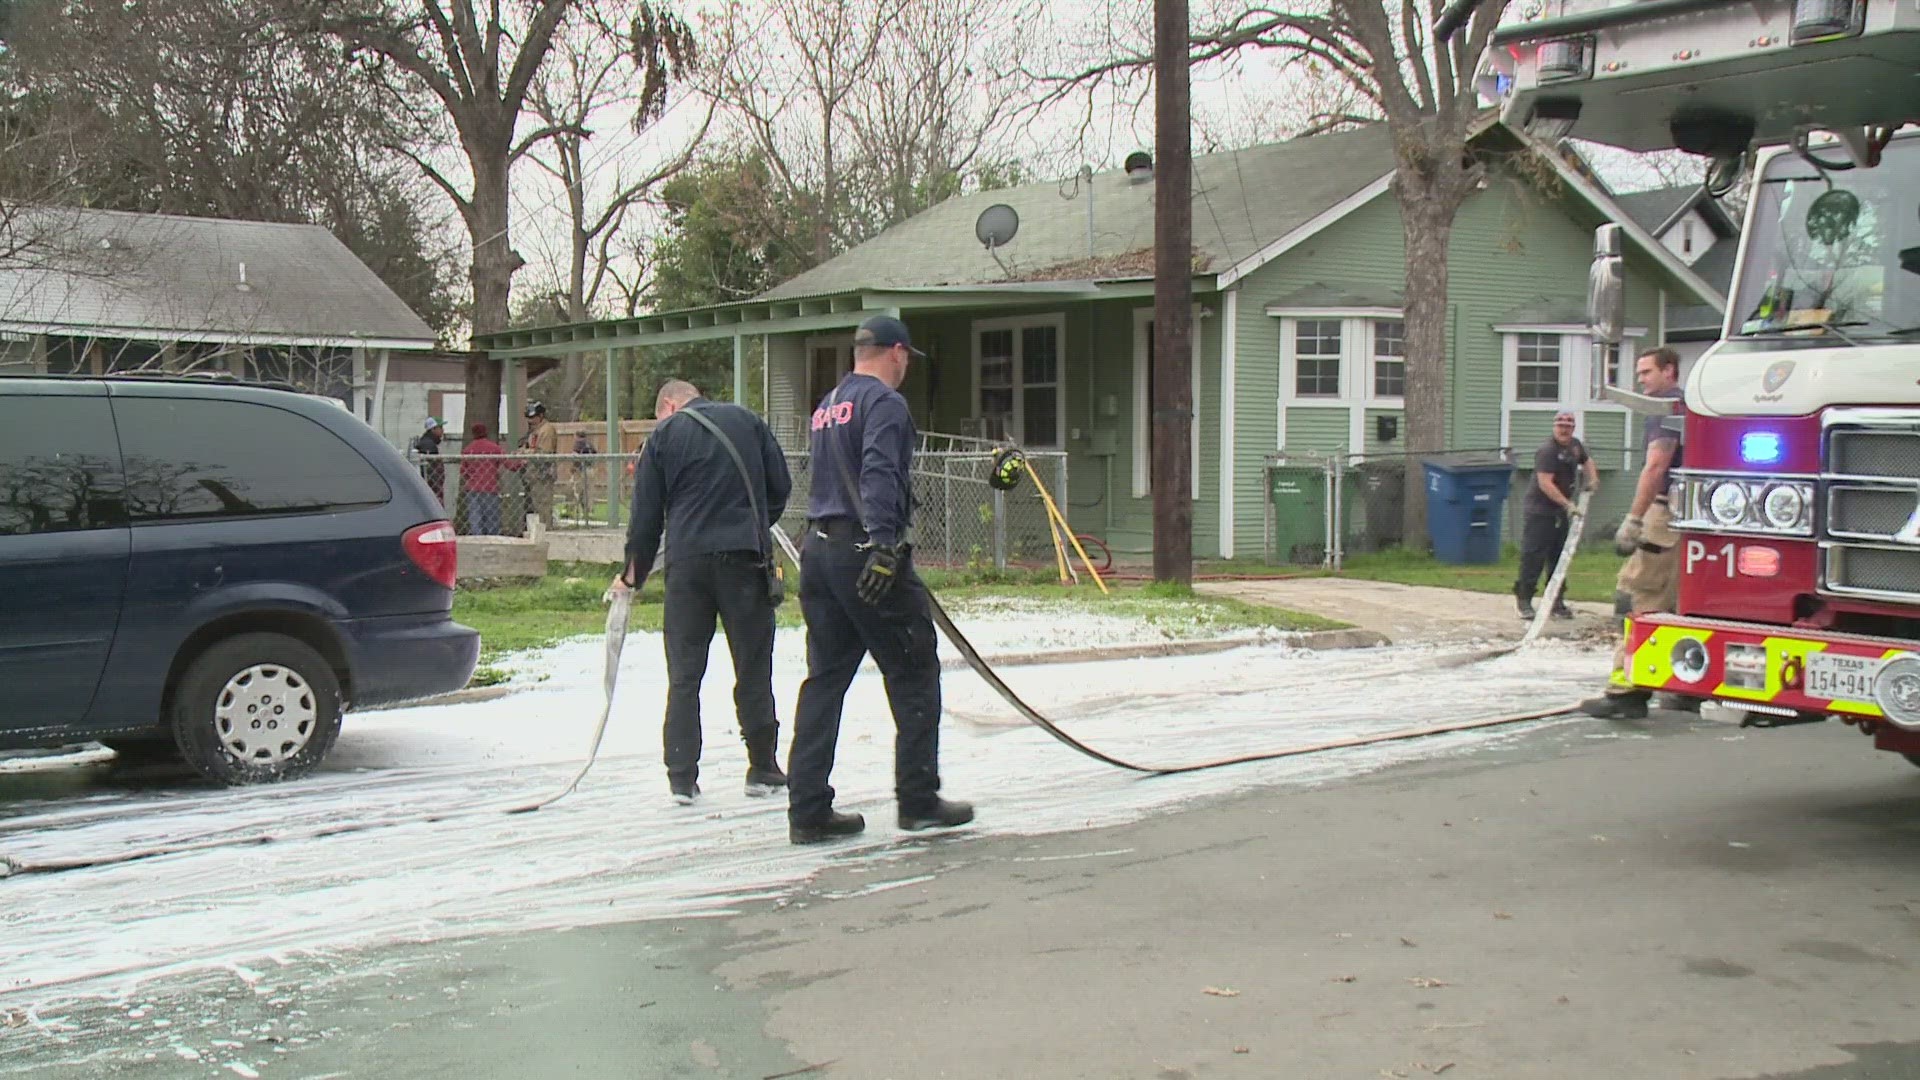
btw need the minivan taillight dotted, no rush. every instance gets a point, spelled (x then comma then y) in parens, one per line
(434, 549)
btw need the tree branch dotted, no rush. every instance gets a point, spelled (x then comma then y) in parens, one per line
(537, 137)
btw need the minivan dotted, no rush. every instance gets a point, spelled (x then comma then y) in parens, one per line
(212, 570)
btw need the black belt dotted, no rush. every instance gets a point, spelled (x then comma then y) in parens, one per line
(846, 530)
(1654, 549)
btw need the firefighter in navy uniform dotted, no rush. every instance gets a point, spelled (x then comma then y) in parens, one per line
(860, 595)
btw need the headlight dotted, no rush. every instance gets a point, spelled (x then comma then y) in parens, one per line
(1783, 506)
(1727, 502)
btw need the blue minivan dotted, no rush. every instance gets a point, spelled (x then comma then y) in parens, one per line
(212, 570)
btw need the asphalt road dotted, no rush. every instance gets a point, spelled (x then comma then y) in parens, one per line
(1671, 898)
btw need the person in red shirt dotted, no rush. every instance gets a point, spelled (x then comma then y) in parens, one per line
(480, 480)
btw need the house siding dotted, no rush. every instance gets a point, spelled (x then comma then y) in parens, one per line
(1514, 243)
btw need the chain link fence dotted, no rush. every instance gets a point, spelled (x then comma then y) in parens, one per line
(1323, 509)
(959, 519)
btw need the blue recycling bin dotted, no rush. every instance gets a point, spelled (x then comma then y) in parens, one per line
(1464, 499)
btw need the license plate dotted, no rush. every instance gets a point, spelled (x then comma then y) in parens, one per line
(1841, 678)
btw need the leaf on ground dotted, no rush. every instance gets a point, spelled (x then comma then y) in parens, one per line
(1241, 1050)
(1501, 915)
(1426, 983)
(1220, 991)
(1409, 943)
(1344, 978)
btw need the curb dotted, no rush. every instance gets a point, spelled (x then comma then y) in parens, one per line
(458, 697)
(1317, 640)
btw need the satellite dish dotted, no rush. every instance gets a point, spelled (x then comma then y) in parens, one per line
(996, 225)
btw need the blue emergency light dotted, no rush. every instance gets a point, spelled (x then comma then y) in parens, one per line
(1762, 448)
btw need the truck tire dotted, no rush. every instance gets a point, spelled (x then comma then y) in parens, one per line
(256, 708)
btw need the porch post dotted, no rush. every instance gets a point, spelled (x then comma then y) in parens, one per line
(613, 447)
(380, 394)
(739, 370)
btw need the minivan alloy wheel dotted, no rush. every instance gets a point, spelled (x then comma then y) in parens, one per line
(266, 714)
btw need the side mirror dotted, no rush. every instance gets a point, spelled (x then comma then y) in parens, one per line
(1607, 287)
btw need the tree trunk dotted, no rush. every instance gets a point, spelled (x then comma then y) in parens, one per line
(494, 264)
(1428, 224)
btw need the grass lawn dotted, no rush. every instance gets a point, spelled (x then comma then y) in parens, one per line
(566, 604)
(1590, 578)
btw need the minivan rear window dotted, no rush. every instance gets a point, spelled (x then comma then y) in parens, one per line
(189, 458)
(59, 465)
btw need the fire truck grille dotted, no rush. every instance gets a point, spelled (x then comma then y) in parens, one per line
(1874, 570)
(1875, 453)
(1879, 512)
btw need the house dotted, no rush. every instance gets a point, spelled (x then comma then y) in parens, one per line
(1700, 230)
(1299, 279)
(99, 291)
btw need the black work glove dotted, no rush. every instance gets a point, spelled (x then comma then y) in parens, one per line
(877, 578)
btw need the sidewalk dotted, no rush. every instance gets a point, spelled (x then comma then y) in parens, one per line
(1410, 613)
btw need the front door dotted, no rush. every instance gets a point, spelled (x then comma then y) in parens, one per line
(64, 551)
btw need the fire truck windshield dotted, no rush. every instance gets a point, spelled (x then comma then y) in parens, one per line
(1833, 252)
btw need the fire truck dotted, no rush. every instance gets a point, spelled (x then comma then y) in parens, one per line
(1798, 506)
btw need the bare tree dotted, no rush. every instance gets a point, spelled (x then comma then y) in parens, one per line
(477, 62)
(583, 84)
(1423, 89)
(788, 76)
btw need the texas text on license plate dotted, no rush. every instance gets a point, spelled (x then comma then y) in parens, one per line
(1842, 678)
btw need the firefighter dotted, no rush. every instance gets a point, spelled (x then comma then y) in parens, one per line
(689, 487)
(860, 595)
(1650, 580)
(1550, 504)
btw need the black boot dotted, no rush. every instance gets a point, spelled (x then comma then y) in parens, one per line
(832, 827)
(763, 763)
(1631, 705)
(1561, 610)
(939, 814)
(1525, 604)
(685, 787)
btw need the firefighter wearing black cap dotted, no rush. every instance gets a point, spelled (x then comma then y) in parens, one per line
(541, 438)
(860, 595)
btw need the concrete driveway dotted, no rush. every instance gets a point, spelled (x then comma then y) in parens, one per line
(1410, 613)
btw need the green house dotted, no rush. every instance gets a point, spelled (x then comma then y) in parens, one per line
(1299, 275)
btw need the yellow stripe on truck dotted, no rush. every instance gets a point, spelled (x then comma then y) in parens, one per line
(1653, 660)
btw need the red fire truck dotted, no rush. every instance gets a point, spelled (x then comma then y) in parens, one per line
(1799, 501)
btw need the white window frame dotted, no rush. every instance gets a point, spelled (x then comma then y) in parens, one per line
(1056, 320)
(1576, 370)
(1142, 408)
(1356, 367)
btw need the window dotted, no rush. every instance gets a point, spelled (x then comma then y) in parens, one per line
(192, 458)
(1316, 358)
(1017, 380)
(59, 466)
(1389, 358)
(1686, 237)
(996, 380)
(1537, 368)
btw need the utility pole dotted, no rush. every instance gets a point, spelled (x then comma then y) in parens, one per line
(1172, 415)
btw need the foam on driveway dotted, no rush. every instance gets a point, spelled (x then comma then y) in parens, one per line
(619, 849)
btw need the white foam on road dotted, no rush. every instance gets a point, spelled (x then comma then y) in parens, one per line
(619, 850)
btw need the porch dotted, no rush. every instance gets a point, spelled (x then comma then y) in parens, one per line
(1061, 368)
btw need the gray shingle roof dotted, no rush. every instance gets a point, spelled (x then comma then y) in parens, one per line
(1652, 209)
(1716, 266)
(1242, 202)
(160, 277)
